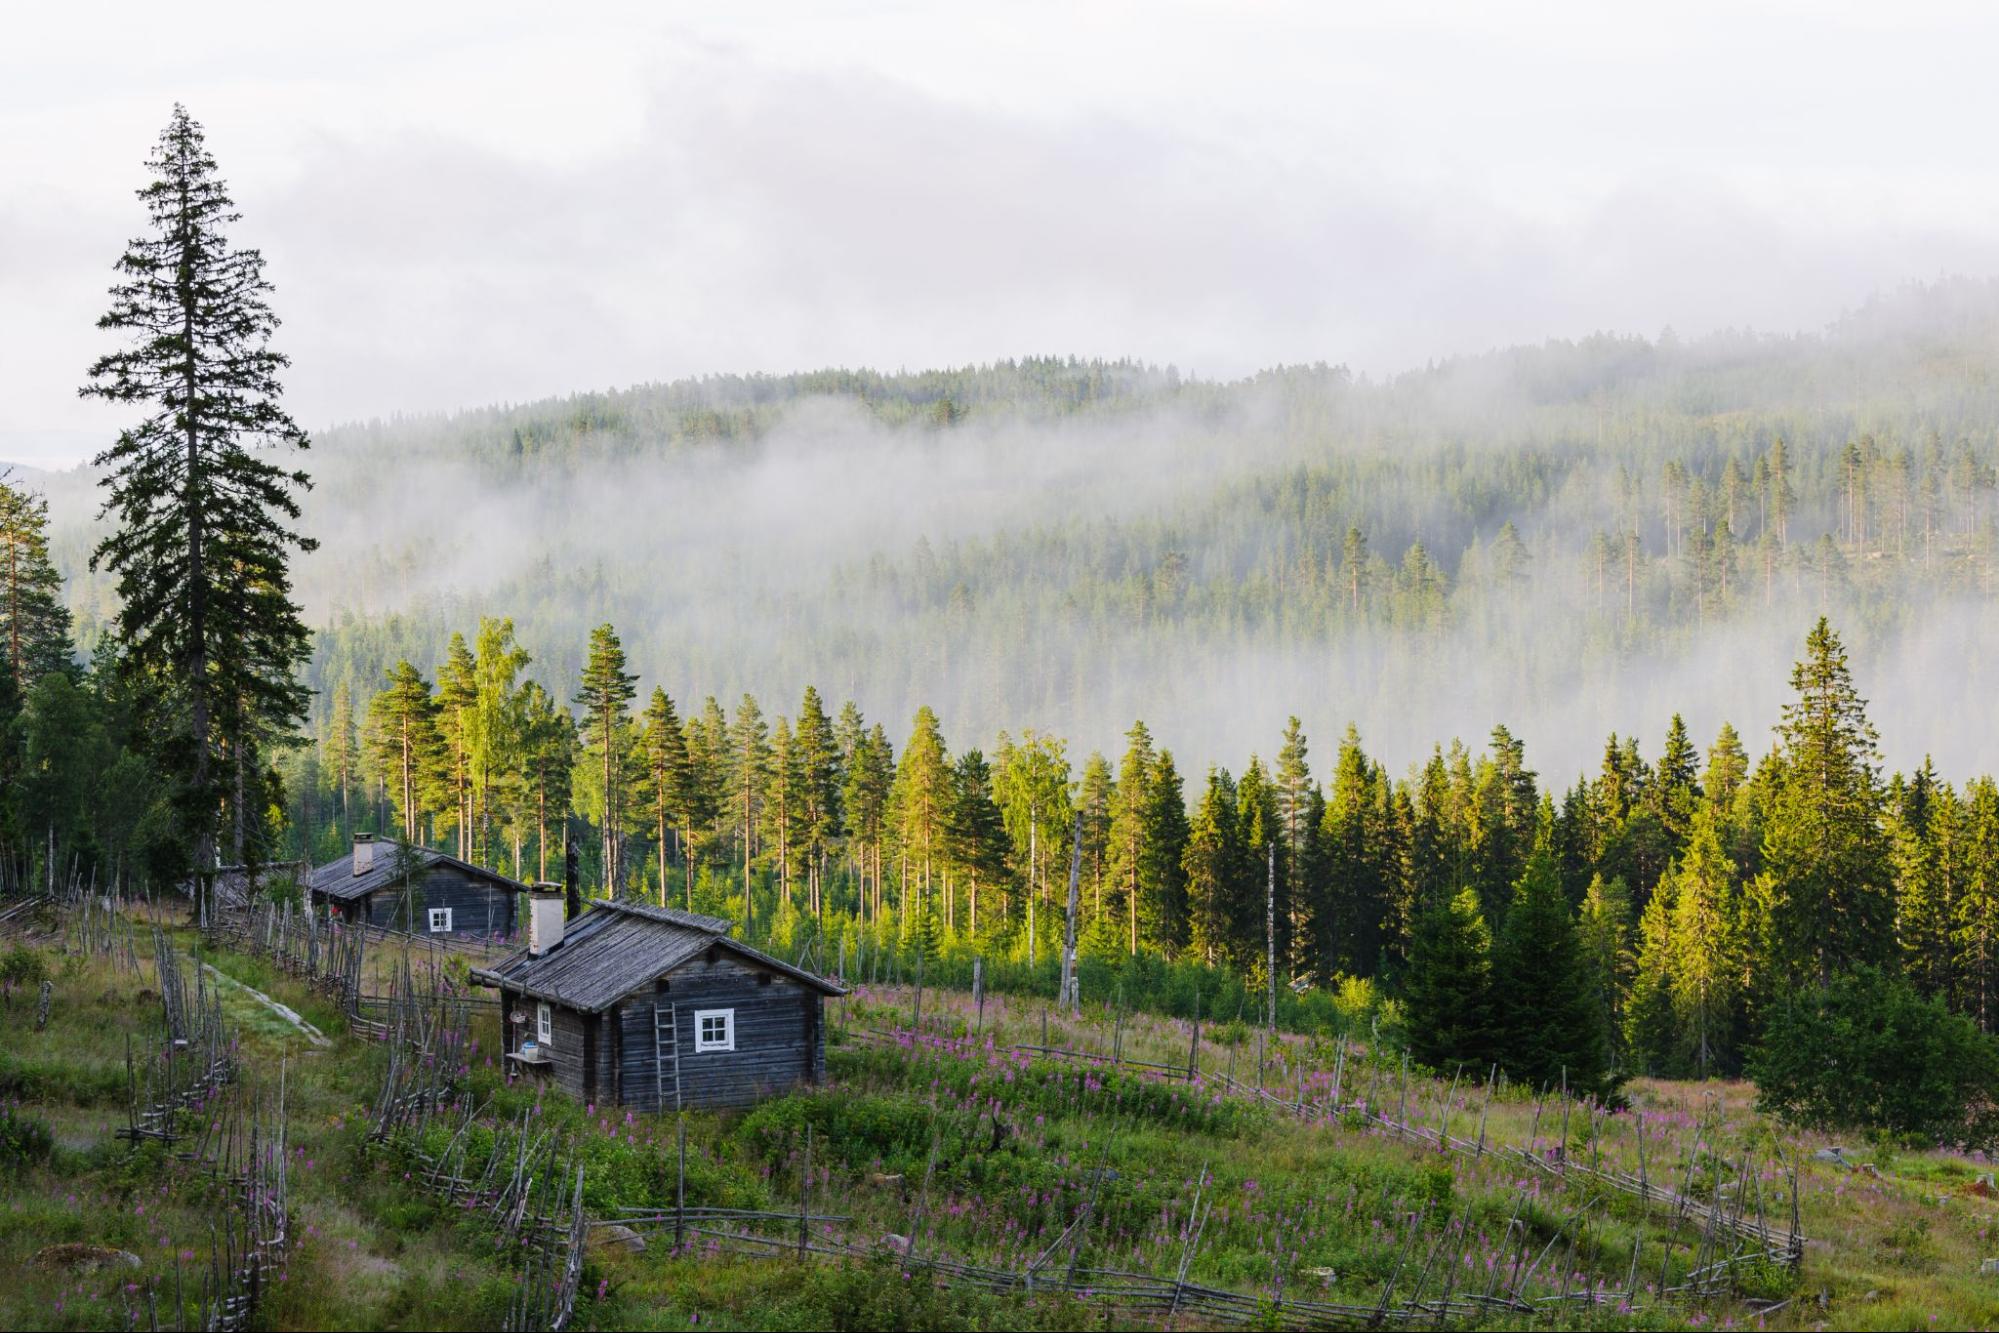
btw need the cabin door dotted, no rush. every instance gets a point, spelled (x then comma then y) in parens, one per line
(666, 1055)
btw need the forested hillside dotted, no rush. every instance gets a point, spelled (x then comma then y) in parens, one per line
(1567, 538)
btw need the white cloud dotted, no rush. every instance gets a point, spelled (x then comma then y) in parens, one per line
(467, 204)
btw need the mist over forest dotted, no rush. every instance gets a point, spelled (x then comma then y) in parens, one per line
(1573, 539)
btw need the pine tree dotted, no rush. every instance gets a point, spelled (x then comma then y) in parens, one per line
(1352, 899)
(606, 692)
(1259, 826)
(783, 808)
(1924, 841)
(548, 754)
(1165, 853)
(1603, 927)
(409, 750)
(495, 739)
(749, 779)
(666, 784)
(1131, 807)
(1300, 813)
(1448, 1001)
(203, 530)
(1353, 565)
(1675, 787)
(457, 699)
(1093, 802)
(820, 779)
(1826, 899)
(709, 748)
(977, 834)
(918, 804)
(1651, 1030)
(36, 623)
(1727, 766)
(342, 751)
(1551, 1029)
(1704, 962)
(1975, 916)
(870, 781)
(1032, 787)
(1209, 862)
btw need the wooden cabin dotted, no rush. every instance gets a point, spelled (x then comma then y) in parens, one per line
(656, 1009)
(236, 887)
(442, 896)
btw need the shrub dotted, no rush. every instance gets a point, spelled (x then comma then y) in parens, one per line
(1868, 1052)
(24, 1141)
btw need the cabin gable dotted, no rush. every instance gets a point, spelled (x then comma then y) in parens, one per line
(669, 1012)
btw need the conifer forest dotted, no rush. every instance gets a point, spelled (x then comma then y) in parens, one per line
(1275, 848)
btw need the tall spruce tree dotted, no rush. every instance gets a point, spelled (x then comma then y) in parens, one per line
(1552, 1031)
(1825, 895)
(606, 693)
(204, 520)
(1448, 997)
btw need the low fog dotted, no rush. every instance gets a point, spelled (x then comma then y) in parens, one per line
(1006, 567)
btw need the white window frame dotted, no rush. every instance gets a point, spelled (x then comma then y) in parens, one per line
(703, 1043)
(435, 914)
(544, 1025)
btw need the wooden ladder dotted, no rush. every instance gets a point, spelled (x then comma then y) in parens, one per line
(666, 1053)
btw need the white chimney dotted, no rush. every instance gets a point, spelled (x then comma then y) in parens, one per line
(545, 918)
(364, 853)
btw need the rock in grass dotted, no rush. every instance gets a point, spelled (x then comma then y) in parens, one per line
(617, 1236)
(1990, 1268)
(76, 1257)
(895, 1244)
(1837, 1156)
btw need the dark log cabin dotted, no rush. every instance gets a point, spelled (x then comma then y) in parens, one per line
(443, 895)
(656, 1010)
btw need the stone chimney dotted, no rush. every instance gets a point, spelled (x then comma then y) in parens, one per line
(364, 853)
(545, 918)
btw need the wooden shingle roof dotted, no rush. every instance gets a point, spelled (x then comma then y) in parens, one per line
(336, 879)
(616, 948)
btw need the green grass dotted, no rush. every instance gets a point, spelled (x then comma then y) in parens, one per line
(1321, 1207)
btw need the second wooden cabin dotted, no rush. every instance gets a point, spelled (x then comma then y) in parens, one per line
(418, 889)
(656, 1009)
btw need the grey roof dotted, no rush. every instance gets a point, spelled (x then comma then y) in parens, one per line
(336, 879)
(615, 948)
(231, 884)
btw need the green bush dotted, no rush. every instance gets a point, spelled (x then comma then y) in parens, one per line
(24, 1141)
(1868, 1052)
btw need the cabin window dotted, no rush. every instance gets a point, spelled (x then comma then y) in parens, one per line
(714, 1030)
(544, 1025)
(440, 920)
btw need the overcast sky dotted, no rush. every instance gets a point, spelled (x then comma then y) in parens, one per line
(469, 204)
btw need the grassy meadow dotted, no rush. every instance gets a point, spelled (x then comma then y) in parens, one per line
(947, 1139)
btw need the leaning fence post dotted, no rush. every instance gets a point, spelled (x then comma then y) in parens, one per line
(680, 1191)
(805, 1195)
(1194, 1046)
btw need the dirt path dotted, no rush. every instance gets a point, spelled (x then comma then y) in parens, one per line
(284, 1011)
